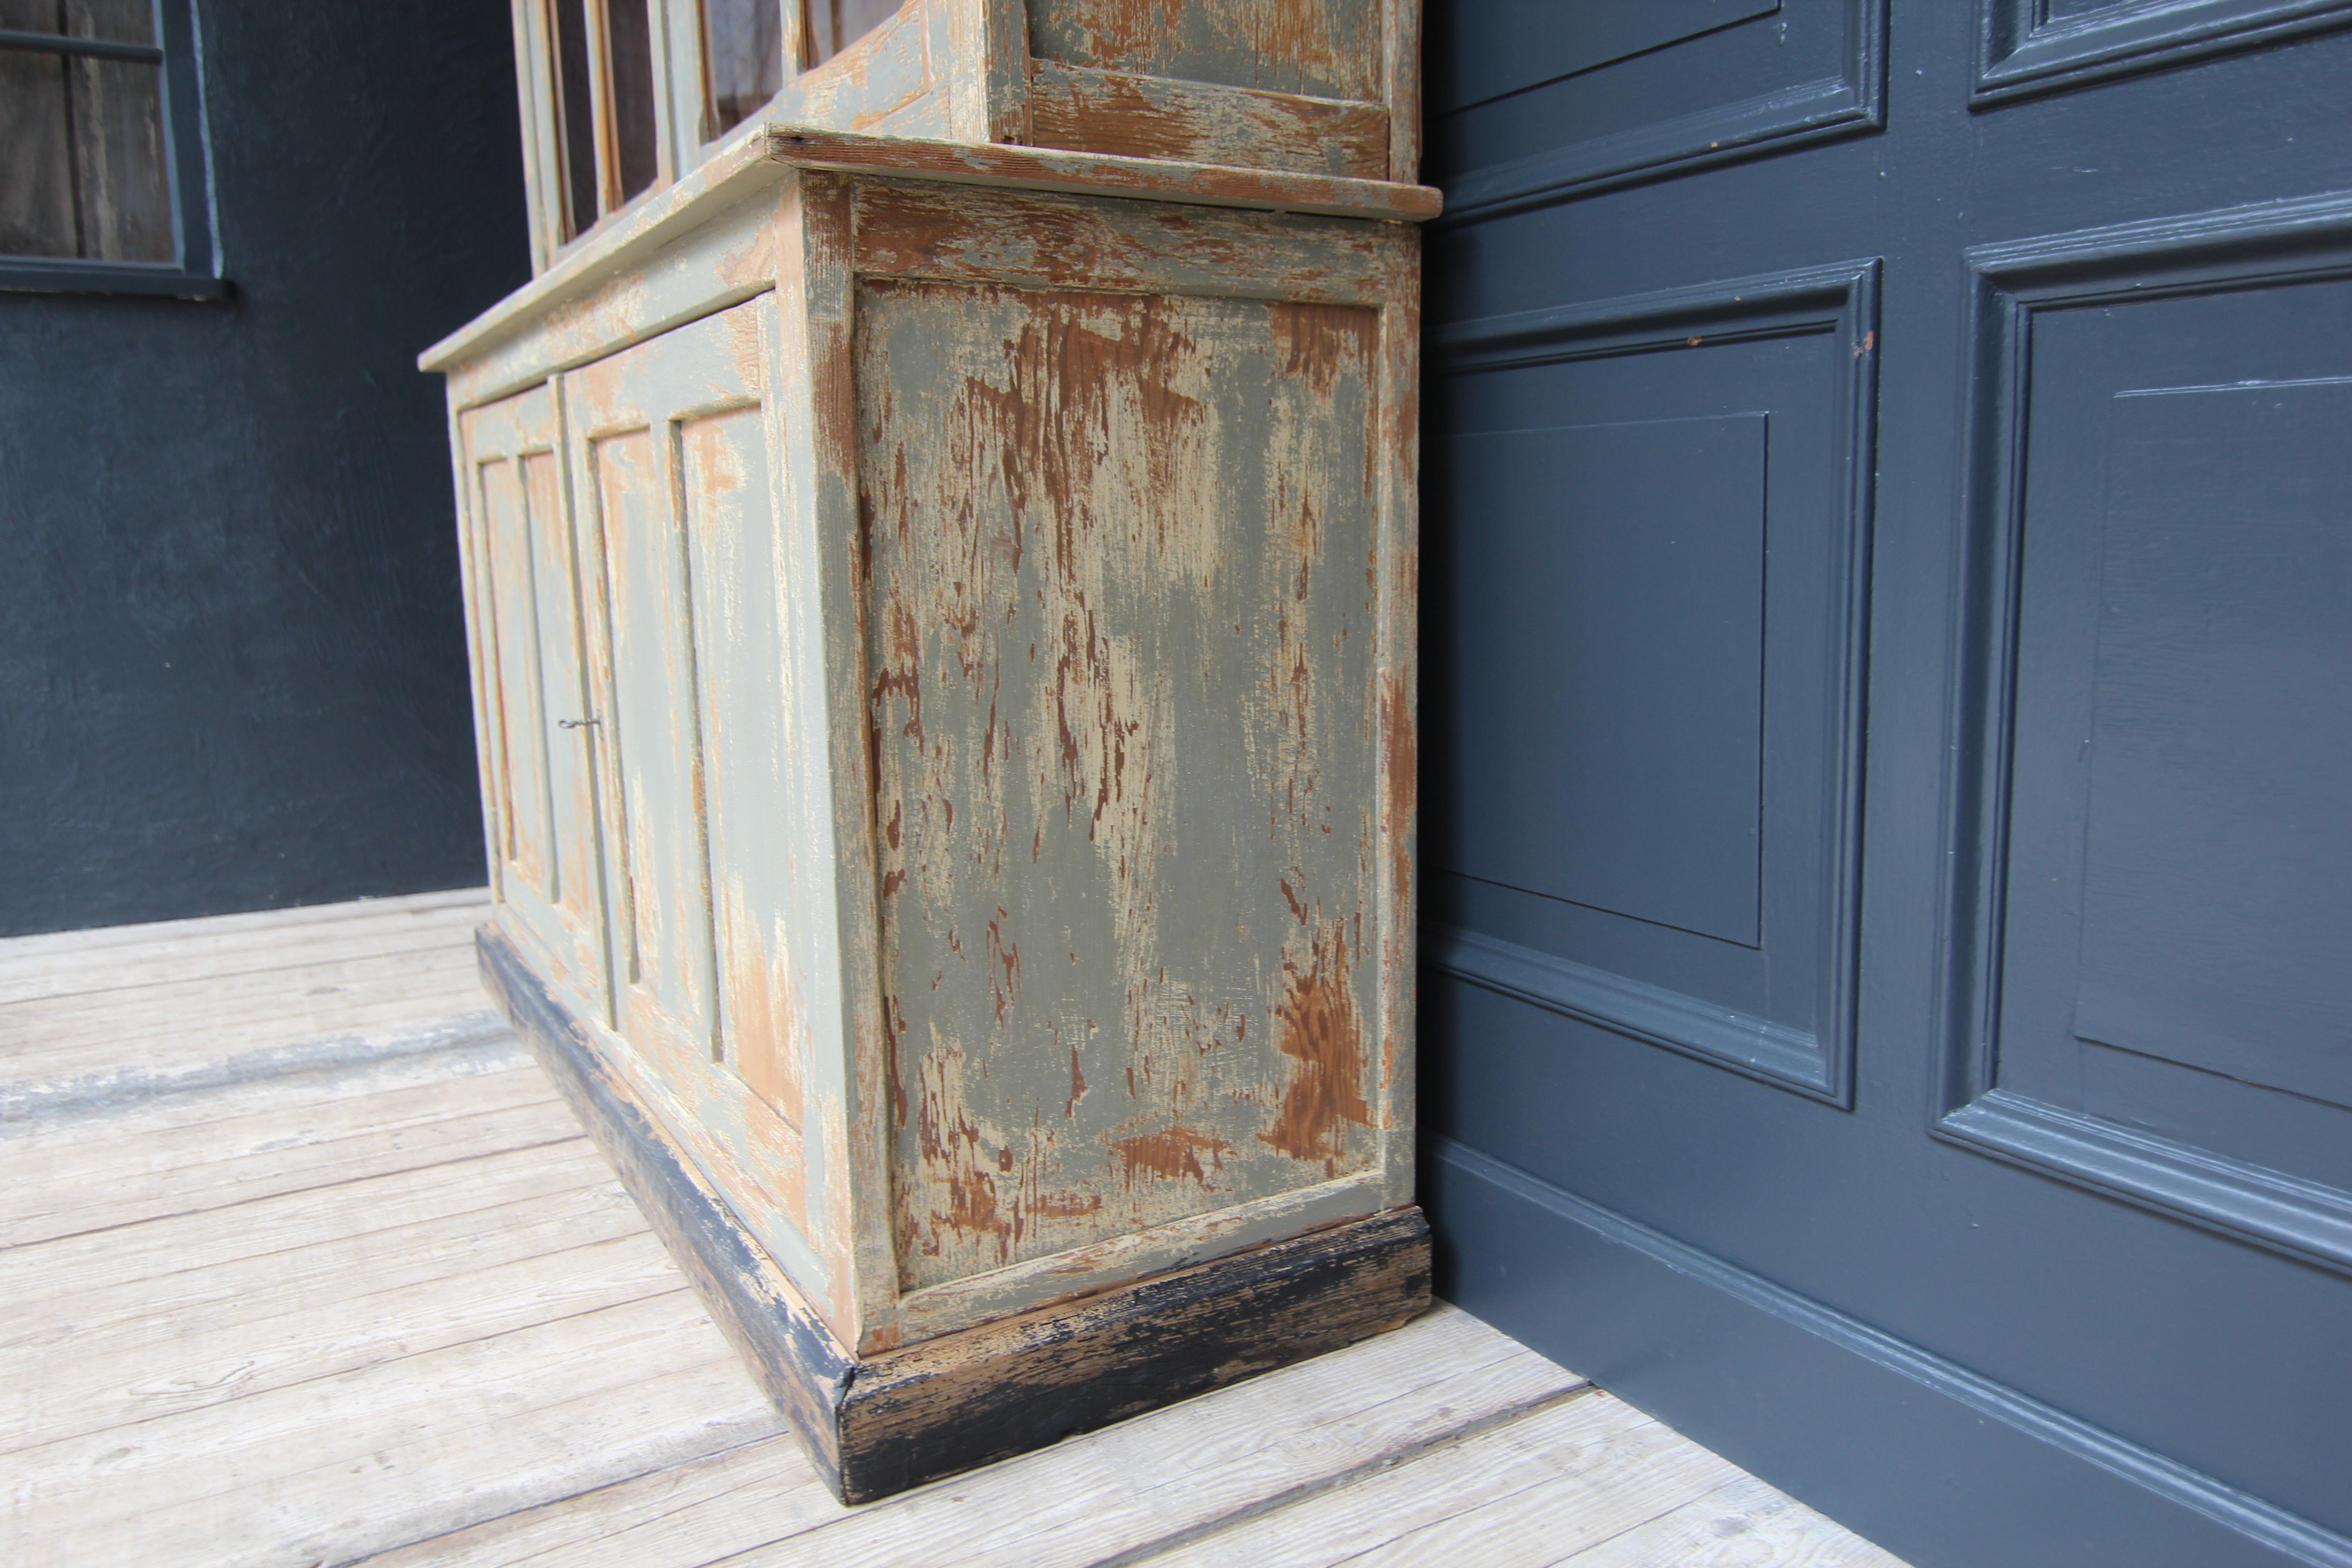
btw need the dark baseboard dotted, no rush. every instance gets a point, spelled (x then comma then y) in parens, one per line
(895, 1420)
(1941, 1466)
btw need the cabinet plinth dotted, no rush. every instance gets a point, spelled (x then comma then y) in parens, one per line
(942, 633)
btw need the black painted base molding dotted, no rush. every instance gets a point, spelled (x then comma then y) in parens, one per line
(1941, 1466)
(895, 1420)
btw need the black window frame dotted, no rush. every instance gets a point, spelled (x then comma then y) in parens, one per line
(196, 273)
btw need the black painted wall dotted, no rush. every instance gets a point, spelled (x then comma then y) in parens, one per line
(232, 655)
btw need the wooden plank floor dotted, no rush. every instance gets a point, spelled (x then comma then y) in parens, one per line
(303, 1263)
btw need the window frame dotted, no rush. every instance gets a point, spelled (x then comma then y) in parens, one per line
(195, 272)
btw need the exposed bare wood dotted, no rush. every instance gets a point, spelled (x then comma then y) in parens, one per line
(184, 1244)
(1039, 169)
(313, 1269)
(20, 953)
(1400, 81)
(1135, 116)
(1328, 48)
(1521, 1495)
(113, 1379)
(151, 1096)
(238, 945)
(1741, 1524)
(216, 1165)
(758, 159)
(1036, 240)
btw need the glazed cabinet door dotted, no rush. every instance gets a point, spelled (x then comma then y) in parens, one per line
(537, 721)
(671, 452)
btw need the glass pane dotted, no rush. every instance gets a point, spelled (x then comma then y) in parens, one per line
(81, 159)
(834, 25)
(629, 38)
(574, 115)
(125, 198)
(742, 59)
(36, 194)
(117, 21)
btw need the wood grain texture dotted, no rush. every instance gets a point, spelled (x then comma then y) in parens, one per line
(1400, 33)
(517, 516)
(909, 229)
(1527, 1494)
(1132, 116)
(1329, 48)
(1042, 169)
(1745, 1523)
(649, 228)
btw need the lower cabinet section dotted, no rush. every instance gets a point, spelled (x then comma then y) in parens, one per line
(882, 1423)
(945, 659)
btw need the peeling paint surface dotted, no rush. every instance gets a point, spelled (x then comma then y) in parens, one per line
(1123, 727)
(1329, 48)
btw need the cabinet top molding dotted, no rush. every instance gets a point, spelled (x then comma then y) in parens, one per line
(765, 159)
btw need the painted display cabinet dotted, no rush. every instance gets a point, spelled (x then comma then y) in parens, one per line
(943, 633)
(621, 96)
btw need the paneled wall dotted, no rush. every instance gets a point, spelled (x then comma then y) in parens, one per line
(231, 664)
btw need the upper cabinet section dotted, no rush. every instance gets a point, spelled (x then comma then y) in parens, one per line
(621, 96)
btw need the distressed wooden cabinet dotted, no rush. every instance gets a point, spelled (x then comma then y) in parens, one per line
(621, 96)
(942, 625)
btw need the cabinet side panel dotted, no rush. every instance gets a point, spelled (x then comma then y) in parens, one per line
(1120, 636)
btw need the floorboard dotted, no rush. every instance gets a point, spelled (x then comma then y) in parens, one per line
(303, 1264)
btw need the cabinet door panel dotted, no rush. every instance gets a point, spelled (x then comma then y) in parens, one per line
(712, 974)
(544, 783)
(663, 864)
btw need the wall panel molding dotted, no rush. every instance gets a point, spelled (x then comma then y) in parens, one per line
(2307, 239)
(2021, 56)
(1774, 1053)
(1852, 101)
(2290, 1535)
(1840, 300)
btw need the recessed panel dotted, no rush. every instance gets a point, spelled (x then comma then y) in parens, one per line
(1640, 688)
(1598, 33)
(2217, 881)
(1120, 641)
(1595, 93)
(730, 529)
(1614, 610)
(519, 731)
(2043, 45)
(2175, 936)
(572, 866)
(657, 742)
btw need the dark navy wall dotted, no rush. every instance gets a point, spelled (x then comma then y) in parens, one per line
(232, 657)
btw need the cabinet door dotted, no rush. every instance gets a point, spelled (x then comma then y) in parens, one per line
(535, 708)
(671, 452)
